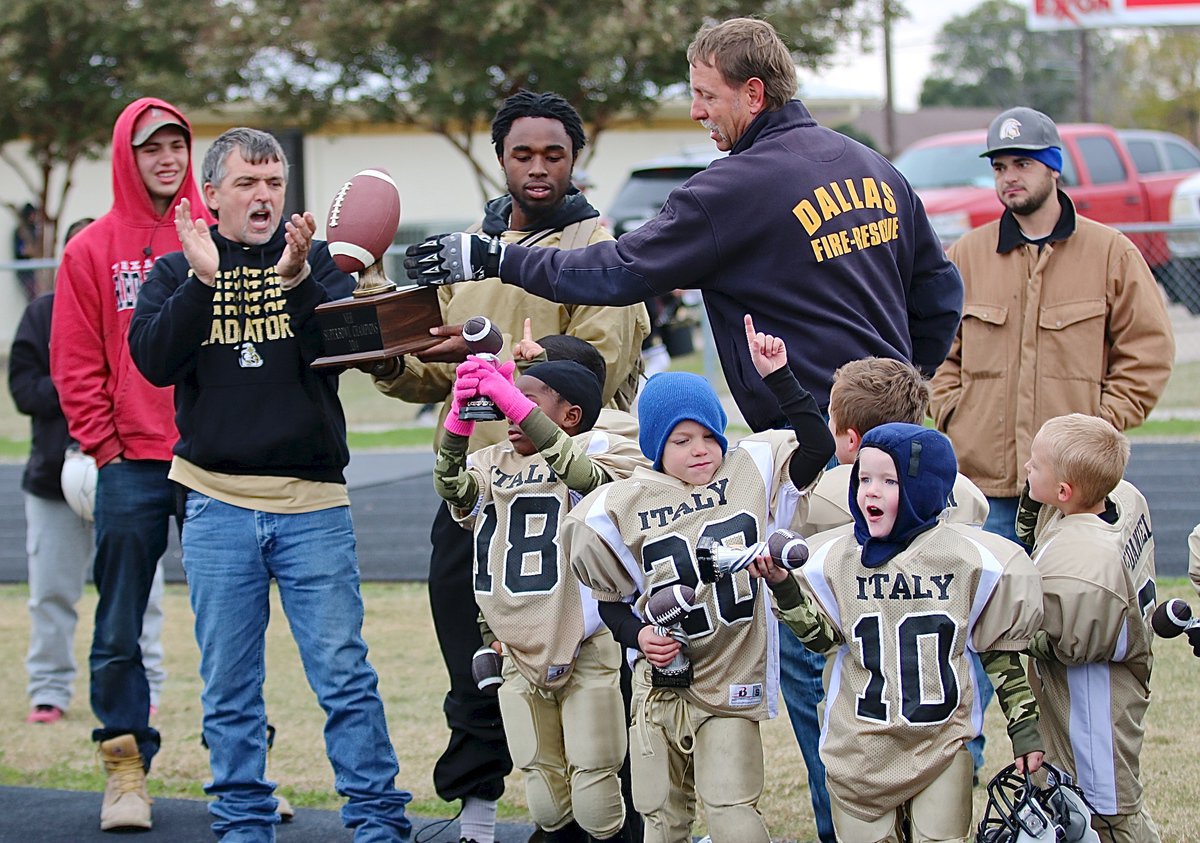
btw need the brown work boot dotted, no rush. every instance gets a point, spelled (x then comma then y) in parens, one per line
(126, 802)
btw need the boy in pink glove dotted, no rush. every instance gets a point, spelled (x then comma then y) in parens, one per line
(561, 702)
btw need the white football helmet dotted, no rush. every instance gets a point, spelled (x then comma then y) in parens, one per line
(79, 483)
(1018, 811)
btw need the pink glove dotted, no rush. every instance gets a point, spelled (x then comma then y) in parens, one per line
(466, 387)
(497, 384)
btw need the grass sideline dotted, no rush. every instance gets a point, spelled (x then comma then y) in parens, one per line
(412, 681)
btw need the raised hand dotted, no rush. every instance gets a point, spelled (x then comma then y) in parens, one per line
(466, 387)
(527, 348)
(298, 235)
(767, 352)
(466, 383)
(451, 258)
(197, 243)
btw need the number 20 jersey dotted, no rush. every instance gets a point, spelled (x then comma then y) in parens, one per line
(634, 537)
(902, 698)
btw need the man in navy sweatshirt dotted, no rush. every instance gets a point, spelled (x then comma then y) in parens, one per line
(820, 239)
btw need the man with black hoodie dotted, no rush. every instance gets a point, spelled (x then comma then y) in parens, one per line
(126, 425)
(538, 137)
(262, 448)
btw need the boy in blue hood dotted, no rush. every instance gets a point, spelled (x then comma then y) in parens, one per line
(900, 603)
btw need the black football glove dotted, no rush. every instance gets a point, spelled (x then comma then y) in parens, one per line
(450, 258)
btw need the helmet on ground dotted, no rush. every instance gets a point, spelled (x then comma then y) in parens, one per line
(1019, 811)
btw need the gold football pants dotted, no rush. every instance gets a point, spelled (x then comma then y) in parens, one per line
(680, 752)
(570, 742)
(941, 813)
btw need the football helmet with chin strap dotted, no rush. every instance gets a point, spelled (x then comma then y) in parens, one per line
(1019, 811)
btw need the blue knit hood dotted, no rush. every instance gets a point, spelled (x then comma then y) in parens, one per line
(926, 468)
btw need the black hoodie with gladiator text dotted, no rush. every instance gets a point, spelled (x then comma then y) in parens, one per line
(238, 354)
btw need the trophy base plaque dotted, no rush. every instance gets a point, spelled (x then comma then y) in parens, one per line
(366, 329)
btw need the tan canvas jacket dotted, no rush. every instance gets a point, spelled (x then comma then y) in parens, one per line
(1078, 328)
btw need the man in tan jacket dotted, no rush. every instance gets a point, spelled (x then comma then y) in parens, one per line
(1061, 315)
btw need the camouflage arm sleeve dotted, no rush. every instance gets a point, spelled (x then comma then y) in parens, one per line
(451, 478)
(1040, 647)
(810, 626)
(565, 456)
(1016, 699)
(1027, 517)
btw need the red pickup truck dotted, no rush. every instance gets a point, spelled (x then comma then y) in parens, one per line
(1099, 174)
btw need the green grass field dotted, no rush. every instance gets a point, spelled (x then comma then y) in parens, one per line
(412, 681)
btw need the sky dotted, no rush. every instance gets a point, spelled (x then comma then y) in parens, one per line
(854, 71)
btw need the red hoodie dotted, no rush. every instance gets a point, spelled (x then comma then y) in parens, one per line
(111, 409)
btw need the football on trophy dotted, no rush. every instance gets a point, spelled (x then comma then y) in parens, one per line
(363, 219)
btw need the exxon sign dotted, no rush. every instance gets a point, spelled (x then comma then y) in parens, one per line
(1044, 15)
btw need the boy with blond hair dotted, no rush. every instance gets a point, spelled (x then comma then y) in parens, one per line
(1094, 548)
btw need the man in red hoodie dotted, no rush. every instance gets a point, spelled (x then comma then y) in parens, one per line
(126, 424)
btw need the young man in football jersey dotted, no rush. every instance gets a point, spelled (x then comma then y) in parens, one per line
(1094, 549)
(633, 538)
(901, 602)
(561, 699)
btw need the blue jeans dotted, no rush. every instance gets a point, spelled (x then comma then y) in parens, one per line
(1002, 517)
(230, 555)
(800, 681)
(134, 504)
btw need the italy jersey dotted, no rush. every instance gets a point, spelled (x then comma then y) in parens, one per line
(1098, 580)
(634, 537)
(901, 697)
(524, 584)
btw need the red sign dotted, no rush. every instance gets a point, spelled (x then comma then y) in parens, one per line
(1098, 14)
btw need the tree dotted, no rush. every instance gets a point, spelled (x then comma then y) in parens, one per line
(989, 58)
(1162, 75)
(446, 66)
(70, 66)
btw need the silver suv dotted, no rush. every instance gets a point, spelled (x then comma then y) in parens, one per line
(649, 184)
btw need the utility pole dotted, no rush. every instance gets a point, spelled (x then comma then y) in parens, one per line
(889, 105)
(1085, 71)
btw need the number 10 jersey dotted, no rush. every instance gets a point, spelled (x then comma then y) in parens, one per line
(901, 699)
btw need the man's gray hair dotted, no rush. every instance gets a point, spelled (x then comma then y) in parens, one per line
(255, 146)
